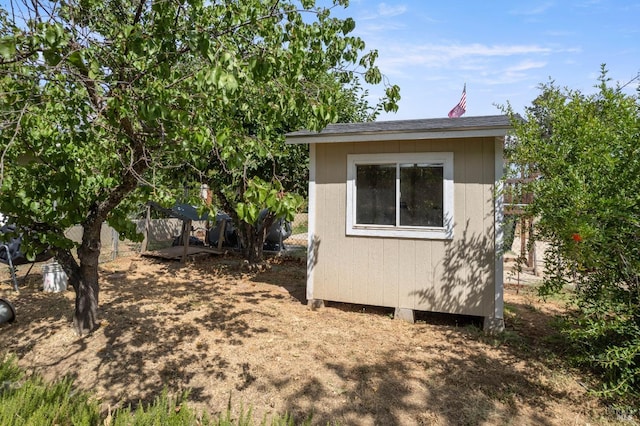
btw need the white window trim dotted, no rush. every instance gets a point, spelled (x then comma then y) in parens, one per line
(440, 233)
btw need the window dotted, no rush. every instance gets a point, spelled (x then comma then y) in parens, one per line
(407, 195)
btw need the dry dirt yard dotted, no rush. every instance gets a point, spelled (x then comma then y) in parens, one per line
(224, 334)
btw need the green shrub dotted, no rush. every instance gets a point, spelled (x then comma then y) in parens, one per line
(580, 153)
(165, 411)
(9, 371)
(31, 401)
(605, 336)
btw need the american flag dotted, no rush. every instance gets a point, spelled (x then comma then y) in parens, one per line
(461, 108)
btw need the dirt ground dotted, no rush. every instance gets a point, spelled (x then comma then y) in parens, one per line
(228, 335)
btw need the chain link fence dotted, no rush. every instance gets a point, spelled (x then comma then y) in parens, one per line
(112, 245)
(163, 233)
(298, 237)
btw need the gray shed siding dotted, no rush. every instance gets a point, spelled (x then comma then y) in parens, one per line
(453, 276)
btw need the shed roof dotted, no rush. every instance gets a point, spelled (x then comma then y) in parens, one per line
(430, 128)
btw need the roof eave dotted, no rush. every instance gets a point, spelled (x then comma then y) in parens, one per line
(379, 136)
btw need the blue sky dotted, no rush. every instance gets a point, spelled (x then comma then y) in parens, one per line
(503, 50)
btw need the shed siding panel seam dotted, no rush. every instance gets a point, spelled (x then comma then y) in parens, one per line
(407, 280)
(375, 290)
(390, 272)
(361, 282)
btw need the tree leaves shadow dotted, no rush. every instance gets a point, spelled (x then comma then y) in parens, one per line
(291, 280)
(459, 388)
(456, 390)
(149, 347)
(148, 315)
(463, 282)
(42, 313)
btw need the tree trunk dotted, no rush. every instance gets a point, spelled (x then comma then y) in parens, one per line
(252, 243)
(85, 317)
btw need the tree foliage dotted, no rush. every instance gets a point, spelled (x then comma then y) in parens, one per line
(586, 151)
(105, 103)
(259, 173)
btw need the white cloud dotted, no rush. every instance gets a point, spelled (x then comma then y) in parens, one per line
(469, 56)
(559, 33)
(382, 11)
(525, 66)
(388, 11)
(534, 10)
(375, 29)
(485, 64)
(477, 49)
(516, 72)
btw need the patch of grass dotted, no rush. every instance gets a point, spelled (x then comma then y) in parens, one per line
(505, 338)
(509, 312)
(563, 296)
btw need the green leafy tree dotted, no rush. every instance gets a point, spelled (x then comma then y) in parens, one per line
(258, 173)
(100, 97)
(586, 151)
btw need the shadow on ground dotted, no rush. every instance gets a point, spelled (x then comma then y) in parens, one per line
(209, 327)
(415, 385)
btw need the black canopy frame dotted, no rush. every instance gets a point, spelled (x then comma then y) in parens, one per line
(12, 256)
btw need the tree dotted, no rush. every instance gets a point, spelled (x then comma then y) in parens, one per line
(587, 207)
(260, 174)
(99, 97)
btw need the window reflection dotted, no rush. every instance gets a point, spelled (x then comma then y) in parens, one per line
(376, 194)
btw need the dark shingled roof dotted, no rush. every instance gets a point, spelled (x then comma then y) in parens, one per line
(421, 125)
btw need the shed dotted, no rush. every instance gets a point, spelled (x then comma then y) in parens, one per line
(408, 214)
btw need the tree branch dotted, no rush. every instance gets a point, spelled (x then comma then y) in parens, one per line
(6, 148)
(138, 15)
(129, 175)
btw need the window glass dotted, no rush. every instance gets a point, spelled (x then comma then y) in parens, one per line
(376, 194)
(400, 195)
(421, 196)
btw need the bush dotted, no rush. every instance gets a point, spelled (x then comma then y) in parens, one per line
(164, 411)
(33, 402)
(582, 153)
(606, 338)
